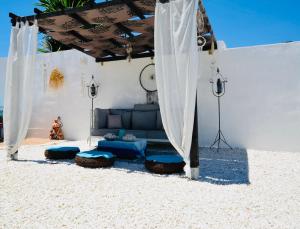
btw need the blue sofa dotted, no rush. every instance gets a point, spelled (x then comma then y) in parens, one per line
(143, 121)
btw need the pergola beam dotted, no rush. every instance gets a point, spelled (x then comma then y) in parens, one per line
(78, 35)
(109, 53)
(115, 43)
(137, 11)
(124, 29)
(150, 49)
(37, 11)
(13, 16)
(81, 20)
(76, 47)
(133, 56)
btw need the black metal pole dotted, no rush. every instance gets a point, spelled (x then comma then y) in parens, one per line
(92, 119)
(219, 111)
(194, 154)
(219, 132)
(91, 122)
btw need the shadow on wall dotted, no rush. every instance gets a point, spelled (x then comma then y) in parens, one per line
(225, 167)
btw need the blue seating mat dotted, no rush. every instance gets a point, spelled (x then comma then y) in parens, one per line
(165, 158)
(95, 154)
(137, 147)
(63, 148)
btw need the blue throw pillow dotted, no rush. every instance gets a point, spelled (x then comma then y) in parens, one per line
(125, 116)
(114, 122)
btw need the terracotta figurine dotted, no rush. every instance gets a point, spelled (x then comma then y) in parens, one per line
(56, 131)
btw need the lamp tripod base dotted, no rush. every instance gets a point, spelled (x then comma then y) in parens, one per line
(218, 140)
(12, 157)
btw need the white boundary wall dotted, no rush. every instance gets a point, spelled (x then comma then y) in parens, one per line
(119, 87)
(261, 107)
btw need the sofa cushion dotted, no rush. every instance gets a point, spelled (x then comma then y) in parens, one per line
(146, 107)
(143, 120)
(125, 116)
(159, 124)
(100, 118)
(114, 122)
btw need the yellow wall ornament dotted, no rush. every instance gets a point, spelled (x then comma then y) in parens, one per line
(56, 79)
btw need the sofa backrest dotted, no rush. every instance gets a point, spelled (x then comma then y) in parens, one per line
(145, 117)
(100, 118)
(141, 117)
(146, 107)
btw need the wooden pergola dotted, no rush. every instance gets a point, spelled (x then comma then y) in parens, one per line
(108, 30)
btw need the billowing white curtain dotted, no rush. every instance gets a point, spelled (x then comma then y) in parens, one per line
(176, 64)
(19, 85)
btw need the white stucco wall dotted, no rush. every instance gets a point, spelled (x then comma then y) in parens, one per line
(68, 102)
(119, 89)
(261, 108)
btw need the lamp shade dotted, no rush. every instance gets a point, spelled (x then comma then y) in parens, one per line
(219, 86)
(93, 88)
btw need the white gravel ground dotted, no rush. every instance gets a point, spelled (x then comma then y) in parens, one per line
(236, 189)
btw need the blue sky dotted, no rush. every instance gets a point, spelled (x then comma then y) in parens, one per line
(254, 22)
(237, 22)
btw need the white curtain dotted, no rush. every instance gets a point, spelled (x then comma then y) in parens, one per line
(176, 64)
(19, 85)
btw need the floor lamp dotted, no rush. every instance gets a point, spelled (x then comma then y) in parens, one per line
(92, 93)
(220, 85)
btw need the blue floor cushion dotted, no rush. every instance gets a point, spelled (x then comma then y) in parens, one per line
(95, 159)
(165, 158)
(63, 148)
(95, 154)
(61, 152)
(165, 164)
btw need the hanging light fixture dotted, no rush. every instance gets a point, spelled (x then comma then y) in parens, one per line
(128, 46)
(129, 51)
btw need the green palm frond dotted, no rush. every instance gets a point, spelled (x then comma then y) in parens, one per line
(51, 45)
(56, 5)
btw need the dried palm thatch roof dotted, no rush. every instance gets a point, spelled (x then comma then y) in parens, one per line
(109, 30)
